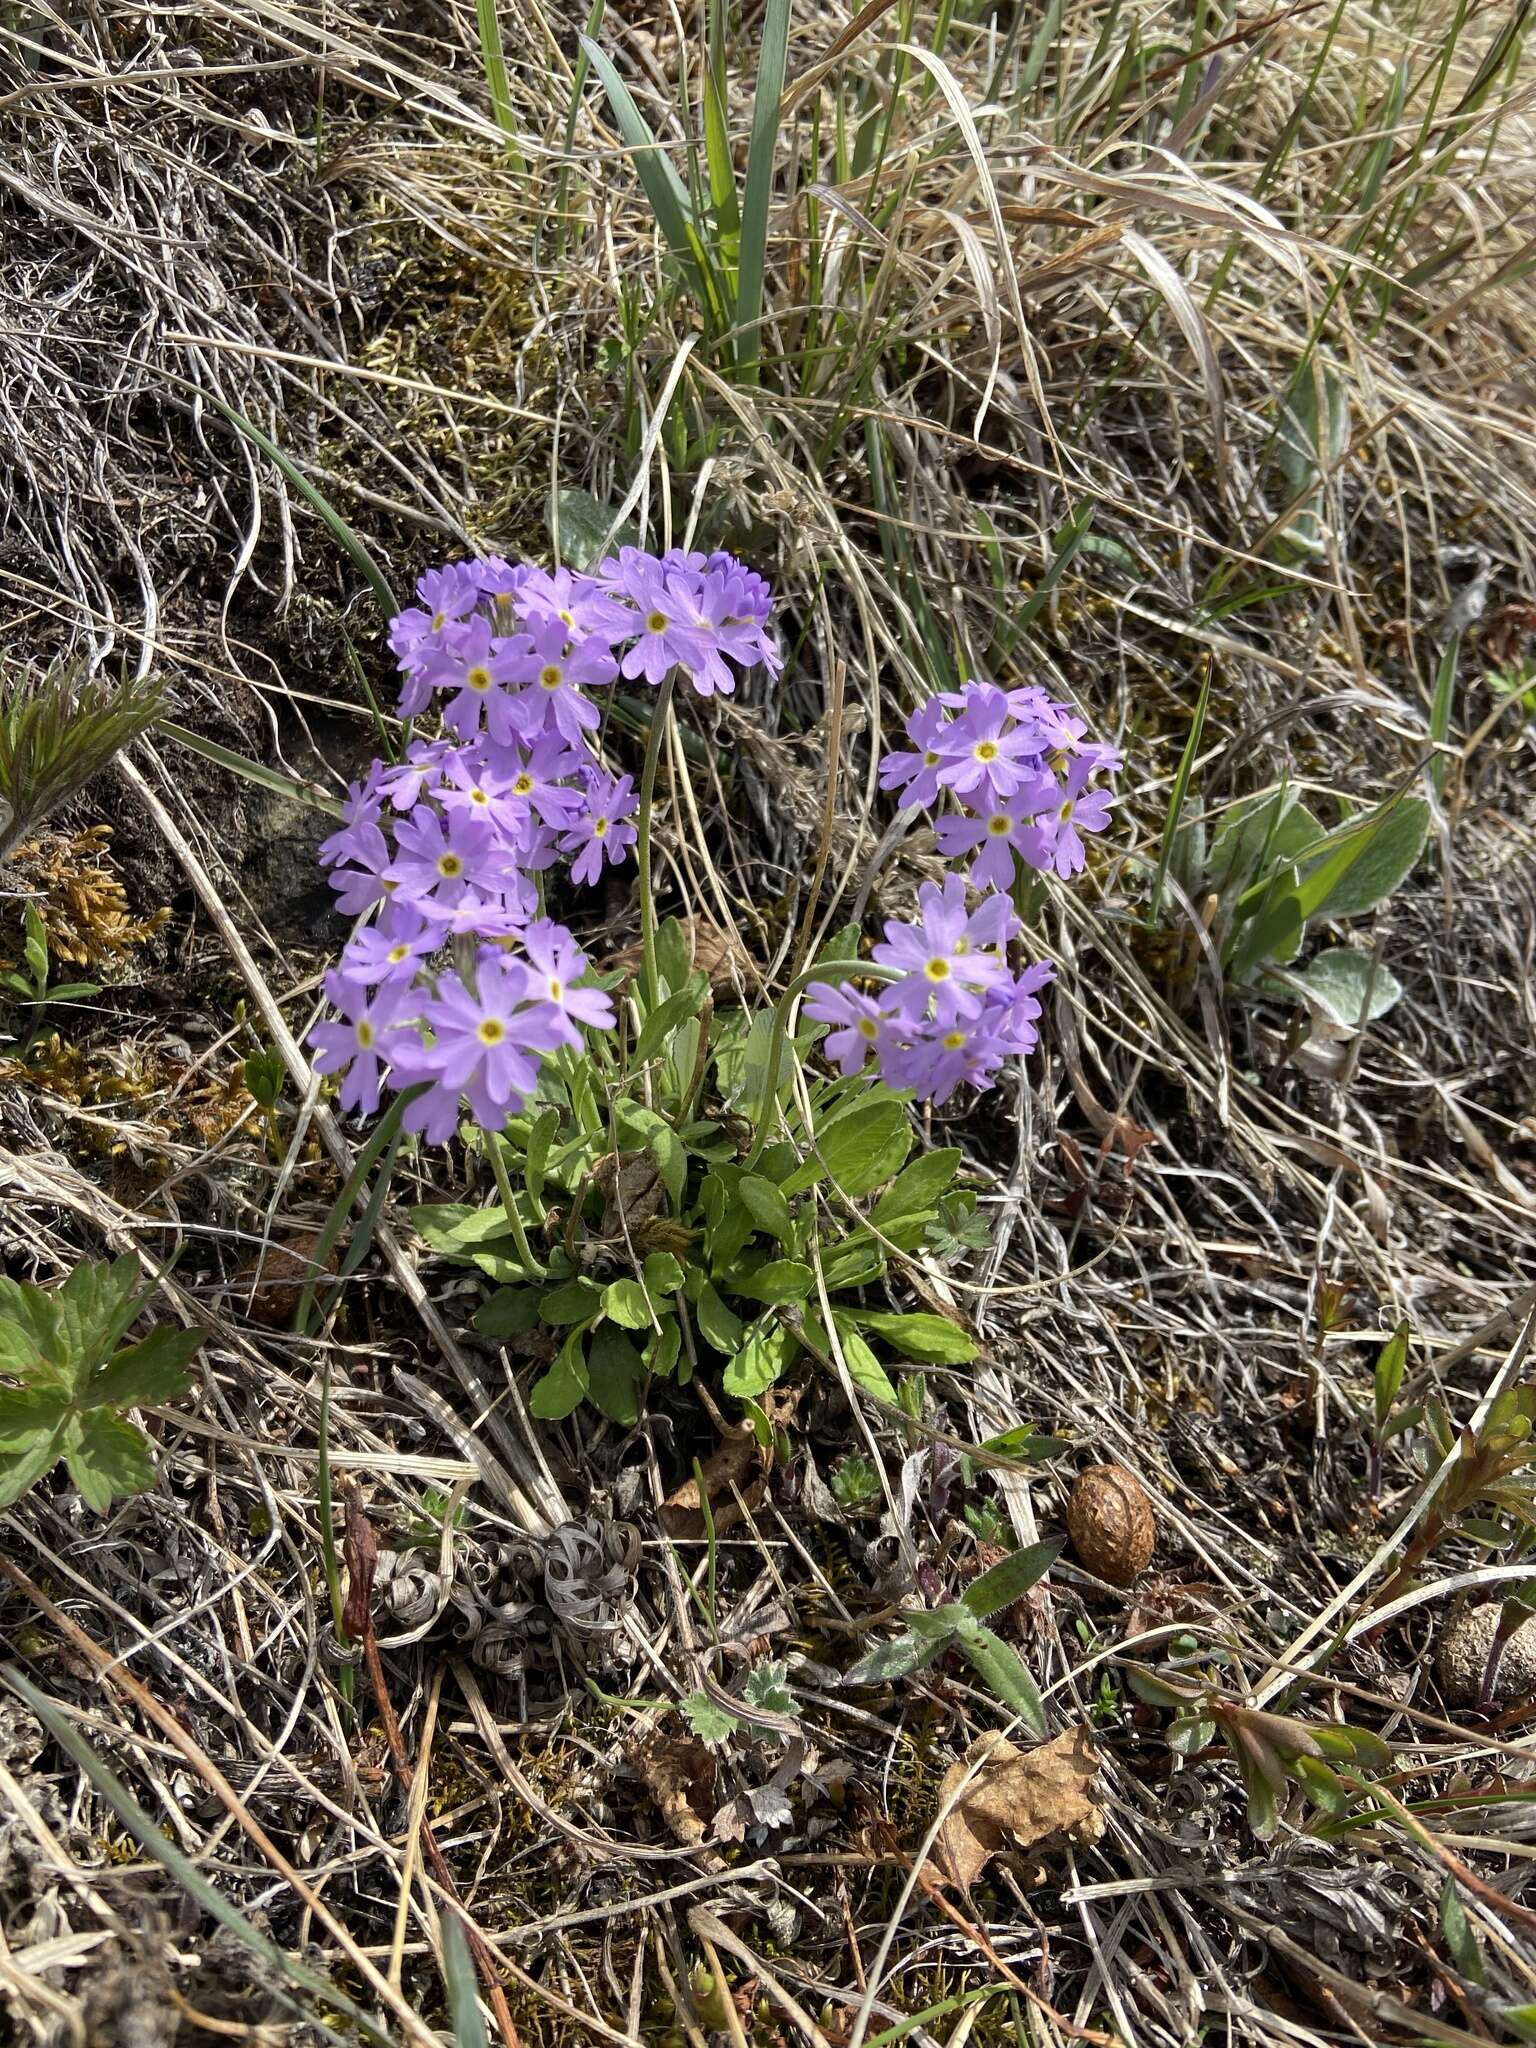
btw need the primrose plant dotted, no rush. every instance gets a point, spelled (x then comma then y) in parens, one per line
(669, 1199)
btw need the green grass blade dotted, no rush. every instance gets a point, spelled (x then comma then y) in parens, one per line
(284, 1971)
(759, 185)
(1177, 795)
(389, 604)
(1440, 710)
(1068, 538)
(258, 772)
(459, 1977)
(664, 189)
(494, 58)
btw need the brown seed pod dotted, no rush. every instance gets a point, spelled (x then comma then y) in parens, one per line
(1111, 1523)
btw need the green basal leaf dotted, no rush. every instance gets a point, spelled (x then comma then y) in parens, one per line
(864, 1369)
(1348, 987)
(663, 1274)
(674, 953)
(1390, 1367)
(766, 1686)
(766, 1206)
(1010, 1578)
(859, 1149)
(1189, 1734)
(614, 1372)
(856, 1261)
(898, 1658)
(1461, 1938)
(563, 1387)
(509, 1312)
(711, 1724)
(1155, 1691)
(774, 1282)
(904, 1211)
(673, 1010)
(933, 1340)
(147, 1373)
(1271, 934)
(624, 1302)
(107, 1457)
(661, 1353)
(1026, 1443)
(718, 1326)
(457, 1227)
(578, 1301)
(1257, 834)
(20, 1470)
(1321, 1786)
(1001, 1670)
(761, 1361)
(1360, 864)
(535, 1159)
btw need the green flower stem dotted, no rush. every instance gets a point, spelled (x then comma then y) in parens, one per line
(822, 970)
(531, 1265)
(649, 978)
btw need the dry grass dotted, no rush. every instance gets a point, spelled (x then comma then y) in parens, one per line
(1093, 260)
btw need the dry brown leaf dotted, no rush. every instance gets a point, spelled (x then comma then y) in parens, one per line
(738, 1465)
(1000, 1796)
(679, 1774)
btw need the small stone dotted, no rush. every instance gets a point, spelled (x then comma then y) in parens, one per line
(1461, 1658)
(1111, 1523)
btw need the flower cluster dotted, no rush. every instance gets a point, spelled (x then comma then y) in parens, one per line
(1021, 771)
(1021, 776)
(445, 848)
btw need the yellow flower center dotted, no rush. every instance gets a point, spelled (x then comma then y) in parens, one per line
(937, 970)
(478, 796)
(565, 618)
(953, 1040)
(930, 759)
(365, 1034)
(396, 954)
(523, 785)
(479, 679)
(1000, 826)
(867, 1028)
(439, 620)
(986, 750)
(1066, 812)
(450, 867)
(656, 622)
(599, 828)
(551, 676)
(490, 1031)
(556, 989)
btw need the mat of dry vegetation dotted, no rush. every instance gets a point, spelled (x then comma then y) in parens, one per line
(1134, 348)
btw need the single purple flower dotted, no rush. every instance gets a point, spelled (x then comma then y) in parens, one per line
(391, 950)
(861, 1022)
(602, 829)
(579, 604)
(1054, 841)
(555, 964)
(364, 1039)
(915, 774)
(483, 664)
(987, 755)
(553, 675)
(485, 1040)
(668, 635)
(950, 955)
